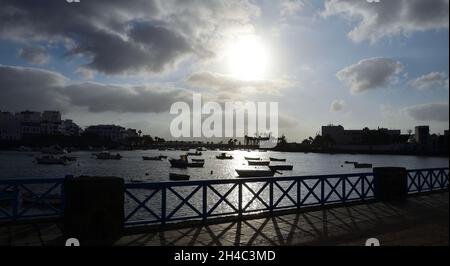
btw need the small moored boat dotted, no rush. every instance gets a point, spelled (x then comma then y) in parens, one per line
(49, 160)
(260, 163)
(178, 177)
(108, 156)
(197, 153)
(281, 167)
(363, 165)
(224, 156)
(277, 160)
(146, 158)
(255, 172)
(198, 160)
(252, 158)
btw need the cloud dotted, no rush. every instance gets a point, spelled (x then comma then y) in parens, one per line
(338, 105)
(127, 37)
(389, 18)
(290, 7)
(230, 87)
(32, 88)
(429, 112)
(433, 80)
(36, 55)
(370, 74)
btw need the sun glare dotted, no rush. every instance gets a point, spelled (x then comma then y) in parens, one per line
(248, 58)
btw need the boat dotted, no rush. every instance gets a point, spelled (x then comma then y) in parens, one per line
(277, 160)
(49, 160)
(178, 163)
(197, 153)
(54, 150)
(163, 156)
(69, 158)
(108, 156)
(147, 158)
(224, 156)
(363, 165)
(349, 162)
(261, 163)
(252, 158)
(184, 163)
(281, 167)
(255, 172)
(198, 160)
(178, 177)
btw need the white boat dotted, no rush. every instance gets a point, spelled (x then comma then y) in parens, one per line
(49, 160)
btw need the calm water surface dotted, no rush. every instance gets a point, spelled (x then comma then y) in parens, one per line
(21, 165)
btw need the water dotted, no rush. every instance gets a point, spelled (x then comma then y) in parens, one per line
(132, 167)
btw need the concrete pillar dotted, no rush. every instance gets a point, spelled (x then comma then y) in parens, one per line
(94, 209)
(390, 183)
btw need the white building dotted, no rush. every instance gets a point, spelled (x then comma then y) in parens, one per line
(69, 128)
(30, 123)
(10, 128)
(110, 132)
(51, 123)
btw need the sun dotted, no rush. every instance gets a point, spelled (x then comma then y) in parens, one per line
(248, 58)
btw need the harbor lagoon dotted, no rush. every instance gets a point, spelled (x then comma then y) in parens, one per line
(133, 168)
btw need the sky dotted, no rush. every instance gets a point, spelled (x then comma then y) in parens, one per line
(348, 62)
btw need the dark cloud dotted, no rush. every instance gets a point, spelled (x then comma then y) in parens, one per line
(121, 37)
(390, 17)
(429, 112)
(370, 74)
(36, 55)
(31, 88)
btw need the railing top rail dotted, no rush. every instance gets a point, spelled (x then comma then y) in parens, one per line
(428, 169)
(238, 180)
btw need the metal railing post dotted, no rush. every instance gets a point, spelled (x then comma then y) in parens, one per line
(322, 191)
(16, 202)
(163, 205)
(240, 199)
(271, 195)
(205, 201)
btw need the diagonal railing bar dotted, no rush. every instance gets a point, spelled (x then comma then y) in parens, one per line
(39, 198)
(256, 196)
(310, 190)
(352, 187)
(184, 201)
(370, 187)
(285, 193)
(141, 204)
(333, 189)
(222, 198)
(413, 179)
(281, 191)
(427, 180)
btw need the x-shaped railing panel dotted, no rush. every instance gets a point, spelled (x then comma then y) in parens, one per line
(142, 204)
(222, 198)
(184, 201)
